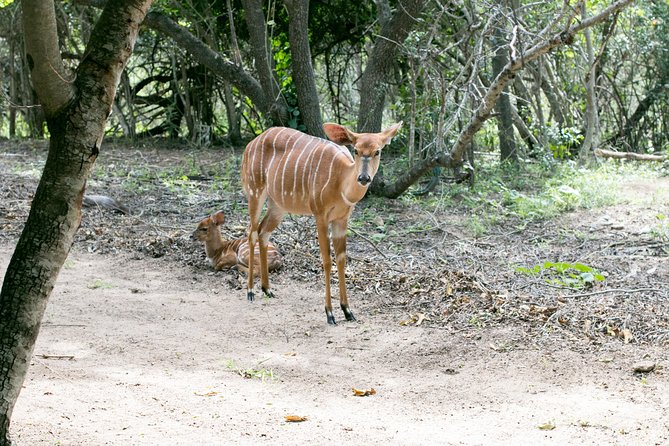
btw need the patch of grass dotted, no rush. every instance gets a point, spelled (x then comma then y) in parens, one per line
(252, 372)
(661, 231)
(99, 283)
(539, 192)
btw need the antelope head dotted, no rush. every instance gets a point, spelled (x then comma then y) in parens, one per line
(205, 229)
(366, 148)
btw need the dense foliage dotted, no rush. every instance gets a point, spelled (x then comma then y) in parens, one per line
(436, 80)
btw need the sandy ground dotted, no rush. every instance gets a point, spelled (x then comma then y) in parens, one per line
(139, 351)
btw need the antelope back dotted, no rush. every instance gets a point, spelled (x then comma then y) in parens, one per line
(297, 171)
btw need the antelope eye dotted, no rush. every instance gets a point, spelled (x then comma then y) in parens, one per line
(377, 153)
(355, 151)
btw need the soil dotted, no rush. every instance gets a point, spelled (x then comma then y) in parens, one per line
(144, 344)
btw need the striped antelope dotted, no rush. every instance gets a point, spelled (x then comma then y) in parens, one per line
(224, 254)
(302, 174)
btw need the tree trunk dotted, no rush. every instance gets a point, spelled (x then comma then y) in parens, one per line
(264, 63)
(381, 61)
(303, 71)
(234, 121)
(591, 140)
(76, 108)
(507, 141)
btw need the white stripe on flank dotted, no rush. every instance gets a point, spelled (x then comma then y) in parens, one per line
(316, 173)
(332, 163)
(262, 157)
(282, 145)
(304, 150)
(282, 159)
(289, 154)
(306, 178)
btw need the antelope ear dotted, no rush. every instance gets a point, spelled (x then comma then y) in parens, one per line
(339, 134)
(218, 218)
(390, 132)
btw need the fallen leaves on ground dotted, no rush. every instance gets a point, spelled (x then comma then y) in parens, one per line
(414, 319)
(549, 426)
(358, 392)
(295, 418)
(212, 393)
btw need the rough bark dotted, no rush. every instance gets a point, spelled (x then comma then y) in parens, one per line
(264, 63)
(591, 140)
(373, 84)
(303, 71)
(483, 112)
(76, 113)
(503, 107)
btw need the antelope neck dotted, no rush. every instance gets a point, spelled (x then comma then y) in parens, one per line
(353, 191)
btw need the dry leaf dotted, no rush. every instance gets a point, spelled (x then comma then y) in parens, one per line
(547, 426)
(295, 418)
(414, 319)
(420, 317)
(212, 393)
(358, 392)
(627, 335)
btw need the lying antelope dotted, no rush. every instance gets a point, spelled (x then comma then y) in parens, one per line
(224, 254)
(302, 174)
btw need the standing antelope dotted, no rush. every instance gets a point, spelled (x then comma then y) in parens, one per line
(224, 254)
(302, 174)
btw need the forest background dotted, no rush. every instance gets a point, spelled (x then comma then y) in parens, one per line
(510, 110)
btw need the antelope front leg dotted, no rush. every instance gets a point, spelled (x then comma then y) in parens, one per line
(324, 244)
(339, 242)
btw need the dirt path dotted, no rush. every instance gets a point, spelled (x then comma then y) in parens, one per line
(137, 351)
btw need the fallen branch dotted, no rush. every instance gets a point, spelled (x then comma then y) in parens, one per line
(628, 155)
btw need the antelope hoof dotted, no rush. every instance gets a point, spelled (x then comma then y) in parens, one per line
(330, 316)
(249, 296)
(268, 293)
(347, 314)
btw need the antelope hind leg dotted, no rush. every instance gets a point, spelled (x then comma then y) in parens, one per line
(269, 223)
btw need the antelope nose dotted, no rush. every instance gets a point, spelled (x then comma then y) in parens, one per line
(364, 179)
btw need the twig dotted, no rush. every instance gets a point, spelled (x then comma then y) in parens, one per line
(68, 357)
(637, 290)
(368, 241)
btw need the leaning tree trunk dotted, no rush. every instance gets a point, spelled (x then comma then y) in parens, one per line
(303, 71)
(76, 107)
(373, 83)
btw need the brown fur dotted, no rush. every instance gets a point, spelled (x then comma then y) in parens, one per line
(225, 254)
(302, 174)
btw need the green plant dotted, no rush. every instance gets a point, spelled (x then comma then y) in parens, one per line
(661, 231)
(571, 275)
(99, 283)
(252, 372)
